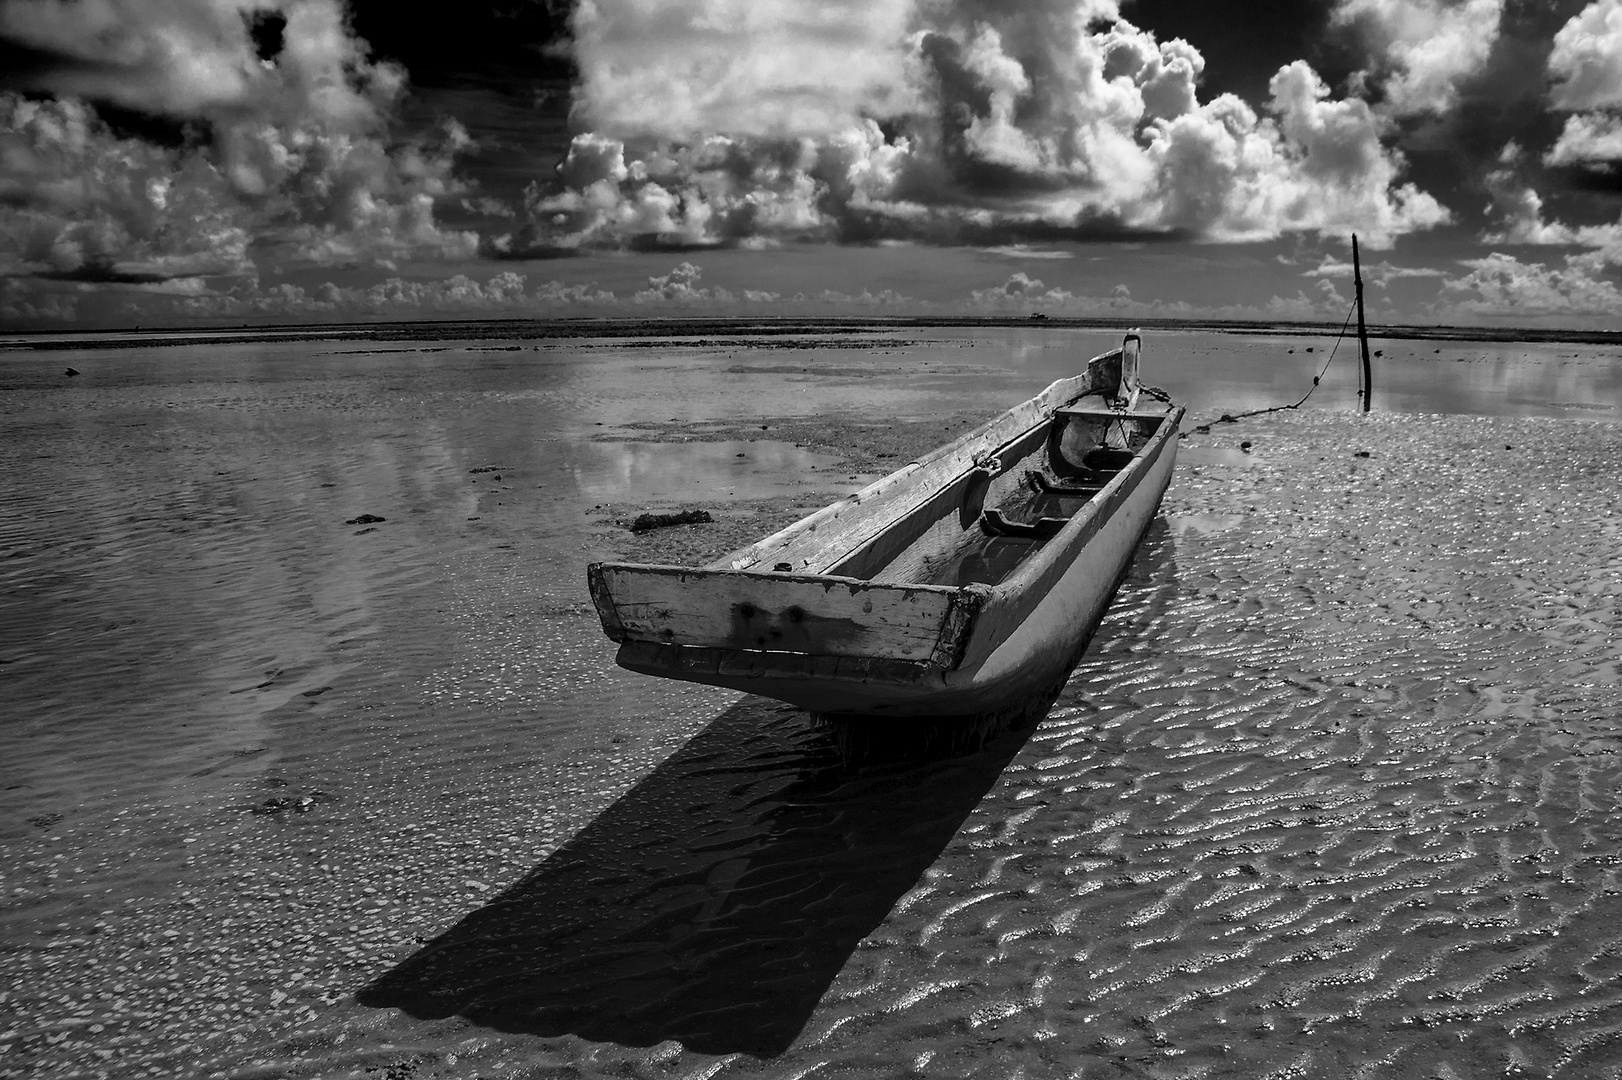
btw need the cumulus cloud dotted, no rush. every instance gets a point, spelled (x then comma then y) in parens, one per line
(1585, 66)
(1521, 222)
(1588, 139)
(36, 302)
(77, 201)
(1425, 48)
(458, 295)
(292, 150)
(23, 306)
(1022, 293)
(1026, 251)
(199, 58)
(1518, 210)
(681, 285)
(1586, 63)
(1502, 286)
(1378, 274)
(750, 68)
(967, 124)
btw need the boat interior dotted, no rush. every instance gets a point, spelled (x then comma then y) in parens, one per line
(982, 525)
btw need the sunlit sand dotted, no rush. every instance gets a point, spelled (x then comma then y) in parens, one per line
(1334, 788)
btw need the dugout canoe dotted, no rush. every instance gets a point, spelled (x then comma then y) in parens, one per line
(965, 584)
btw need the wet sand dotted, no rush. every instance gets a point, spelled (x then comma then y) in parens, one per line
(1333, 792)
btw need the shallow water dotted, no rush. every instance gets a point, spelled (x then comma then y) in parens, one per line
(1333, 793)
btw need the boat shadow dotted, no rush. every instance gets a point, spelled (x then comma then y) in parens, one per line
(716, 901)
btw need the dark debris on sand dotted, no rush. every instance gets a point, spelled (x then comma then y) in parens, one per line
(647, 522)
(867, 448)
(737, 524)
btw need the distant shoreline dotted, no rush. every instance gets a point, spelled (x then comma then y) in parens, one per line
(554, 329)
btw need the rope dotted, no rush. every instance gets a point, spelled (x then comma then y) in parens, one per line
(1228, 418)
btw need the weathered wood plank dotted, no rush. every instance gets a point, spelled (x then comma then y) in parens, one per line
(773, 612)
(870, 558)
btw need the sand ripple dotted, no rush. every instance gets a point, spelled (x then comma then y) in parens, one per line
(1334, 793)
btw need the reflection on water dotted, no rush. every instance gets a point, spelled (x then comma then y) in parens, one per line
(1232, 373)
(1339, 794)
(747, 470)
(715, 902)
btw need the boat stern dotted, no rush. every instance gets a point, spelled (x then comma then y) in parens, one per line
(824, 643)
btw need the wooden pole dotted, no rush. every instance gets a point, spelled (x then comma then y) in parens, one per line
(1362, 331)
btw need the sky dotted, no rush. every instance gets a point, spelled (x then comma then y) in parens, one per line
(259, 162)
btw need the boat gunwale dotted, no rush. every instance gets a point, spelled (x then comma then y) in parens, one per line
(1109, 498)
(969, 629)
(741, 559)
(1111, 493)
(727, 665)
(1011, 599)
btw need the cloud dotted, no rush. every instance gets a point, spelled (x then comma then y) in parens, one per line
(1588, 139)
(681, 285)
(77, 201)
(1586, 63)
(1378, 274)
(776, 69)
(21, 305)
(1025, 251)
(199, 58)
(291, 152)
(1518, 209)
(974, 124)
(1021, 293)
(1586, 68)
(457, 295)
(1425, 48)
(1502, 286)
(39, 302)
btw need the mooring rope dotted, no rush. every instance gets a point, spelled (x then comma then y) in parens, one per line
(1228, 418)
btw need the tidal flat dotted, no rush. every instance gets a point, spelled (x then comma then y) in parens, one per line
(307, 714)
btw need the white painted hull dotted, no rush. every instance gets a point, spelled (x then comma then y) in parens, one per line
(1032, 660)
(911, 598)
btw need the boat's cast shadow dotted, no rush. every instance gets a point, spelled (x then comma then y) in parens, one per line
(715, 902)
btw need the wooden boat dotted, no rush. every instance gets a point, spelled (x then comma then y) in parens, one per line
(965, 584)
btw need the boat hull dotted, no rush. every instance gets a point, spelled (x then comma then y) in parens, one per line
(965, 584)
(1028, 661)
